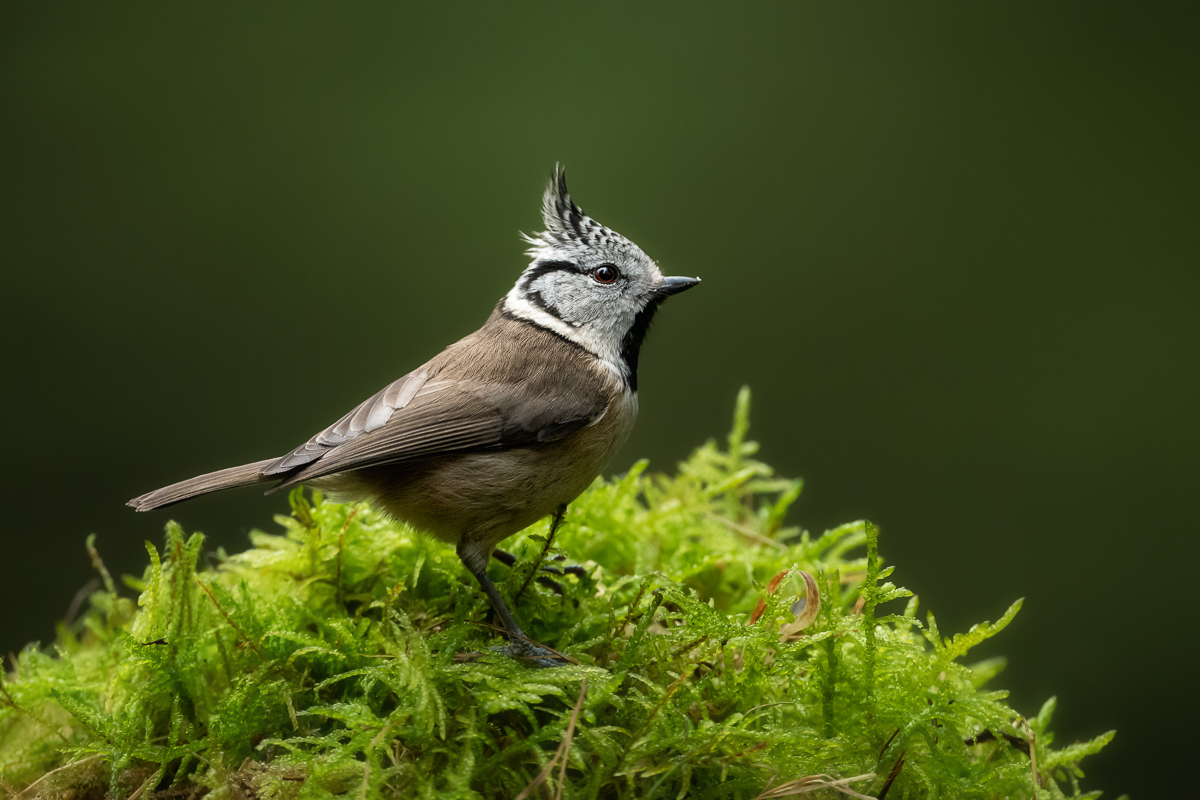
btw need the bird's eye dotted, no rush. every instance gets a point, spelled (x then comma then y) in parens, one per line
(606, 273)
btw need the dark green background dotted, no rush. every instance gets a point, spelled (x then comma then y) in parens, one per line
(952, 248)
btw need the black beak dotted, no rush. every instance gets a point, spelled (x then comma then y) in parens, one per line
(671, 286)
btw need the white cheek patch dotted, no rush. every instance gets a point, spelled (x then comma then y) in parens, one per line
(571, 297)
(518, 305)
(549, 293)
(604, 344)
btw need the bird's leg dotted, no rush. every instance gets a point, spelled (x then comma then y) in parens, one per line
(475, 559)
(570, 569)
(504, 557)
(476, 563)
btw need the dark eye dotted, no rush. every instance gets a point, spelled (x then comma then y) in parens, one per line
(606, 273)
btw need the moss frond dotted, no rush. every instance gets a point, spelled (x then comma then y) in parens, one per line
(347, 655)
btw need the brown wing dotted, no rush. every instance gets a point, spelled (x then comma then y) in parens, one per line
(457, 416)
(509, 384)
(369, 415)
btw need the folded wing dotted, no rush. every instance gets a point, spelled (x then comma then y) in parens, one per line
(439, 416)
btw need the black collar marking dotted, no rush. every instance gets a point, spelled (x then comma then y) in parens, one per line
(504, 312)
(631, 345)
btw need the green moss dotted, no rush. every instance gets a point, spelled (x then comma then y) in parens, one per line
(335, 658)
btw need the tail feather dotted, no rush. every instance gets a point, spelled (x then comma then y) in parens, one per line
(244, 475)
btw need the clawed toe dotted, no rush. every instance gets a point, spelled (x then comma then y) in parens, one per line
(533, 654)
(572, 569)
(530, 654)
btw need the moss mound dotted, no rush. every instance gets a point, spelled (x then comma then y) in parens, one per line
(349, 656)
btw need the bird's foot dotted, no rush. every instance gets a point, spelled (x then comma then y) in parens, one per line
(527, 652)
(554, 585)
(533, 654)
(570, 569)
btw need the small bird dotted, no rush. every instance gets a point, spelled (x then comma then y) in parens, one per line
(506, 426)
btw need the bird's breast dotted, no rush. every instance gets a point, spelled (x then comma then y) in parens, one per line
(610, 430)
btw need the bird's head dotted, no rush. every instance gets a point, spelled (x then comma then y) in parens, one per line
(589, 284)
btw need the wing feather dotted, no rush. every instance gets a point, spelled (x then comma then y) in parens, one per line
(372, 413)
(455, 417)
(530, 388)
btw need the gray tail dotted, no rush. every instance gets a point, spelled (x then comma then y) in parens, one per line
(212, 482)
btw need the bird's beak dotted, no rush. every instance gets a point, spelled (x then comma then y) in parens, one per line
(670, 286)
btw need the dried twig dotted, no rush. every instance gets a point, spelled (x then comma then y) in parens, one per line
(564, 748)
(60, 769)
(1037, 779)
(812, 783)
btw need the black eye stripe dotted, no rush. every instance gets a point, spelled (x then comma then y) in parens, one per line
(545, 268)
(550, 266)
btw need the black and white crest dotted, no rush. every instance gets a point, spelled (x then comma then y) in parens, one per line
(566, 226)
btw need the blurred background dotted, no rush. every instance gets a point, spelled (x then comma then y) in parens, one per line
(951, 248)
